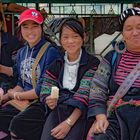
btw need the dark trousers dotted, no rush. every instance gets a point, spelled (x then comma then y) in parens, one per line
(27, 125)
(58, 115)
(124, 124)
(6, 115)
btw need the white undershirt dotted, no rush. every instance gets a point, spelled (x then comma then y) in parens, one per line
(70, 72)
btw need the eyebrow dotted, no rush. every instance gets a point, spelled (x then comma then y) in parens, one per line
(34, 23)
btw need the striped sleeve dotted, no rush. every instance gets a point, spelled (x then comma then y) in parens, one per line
(99, 89)
(81, 97)
(48, 81)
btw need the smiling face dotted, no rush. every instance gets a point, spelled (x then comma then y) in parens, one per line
(31, 32)
(71, 42)
(131, 33)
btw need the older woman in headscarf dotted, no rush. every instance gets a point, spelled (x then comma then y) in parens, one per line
(117, 81)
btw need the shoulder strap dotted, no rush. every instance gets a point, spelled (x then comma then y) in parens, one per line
(38, 57)
(114, 58)
(124, 87)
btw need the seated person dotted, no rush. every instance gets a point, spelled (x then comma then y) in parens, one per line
(116, 83)
(72, 74)
(9, 46)
(29, 123)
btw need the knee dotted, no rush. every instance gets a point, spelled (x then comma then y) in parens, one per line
(15, 122)
(13, 136)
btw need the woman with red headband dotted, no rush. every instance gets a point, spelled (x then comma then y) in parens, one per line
(28, 124)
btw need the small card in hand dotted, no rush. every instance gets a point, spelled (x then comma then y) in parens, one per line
(55, 92)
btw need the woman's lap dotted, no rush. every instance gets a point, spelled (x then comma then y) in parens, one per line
(6, 115)
(57, 116)
(123, 124)
(112, 132)
(29, 123)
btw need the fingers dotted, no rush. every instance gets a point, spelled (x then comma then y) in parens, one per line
(52, 106)
(5, 98)
(11, 91)
(100, 127)
(57, 133)
(92, 130)
(60, 131)
(106, 126)
(51, 102)
(101, 123)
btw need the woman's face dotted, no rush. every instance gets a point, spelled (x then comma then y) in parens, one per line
(131, 33)
(31, 32)
(71, 42)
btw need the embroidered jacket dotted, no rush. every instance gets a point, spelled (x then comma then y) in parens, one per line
(79, 95)
(99, 87)
(104, 85)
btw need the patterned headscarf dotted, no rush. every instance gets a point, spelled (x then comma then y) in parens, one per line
(127, 13)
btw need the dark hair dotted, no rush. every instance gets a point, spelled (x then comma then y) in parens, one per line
(1, 19)
(73, 24)
(127, 13)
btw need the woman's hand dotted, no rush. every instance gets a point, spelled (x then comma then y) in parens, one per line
(99, 126)
(51, 102)
(60, 131)
(10, 93)
(5, 98)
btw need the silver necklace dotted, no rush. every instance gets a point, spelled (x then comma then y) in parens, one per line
(71, 68)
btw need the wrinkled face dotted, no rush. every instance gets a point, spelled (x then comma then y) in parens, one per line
(131, 33)
(31, 32)
(71, 41)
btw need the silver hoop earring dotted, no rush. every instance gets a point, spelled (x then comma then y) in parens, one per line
(120, 47)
